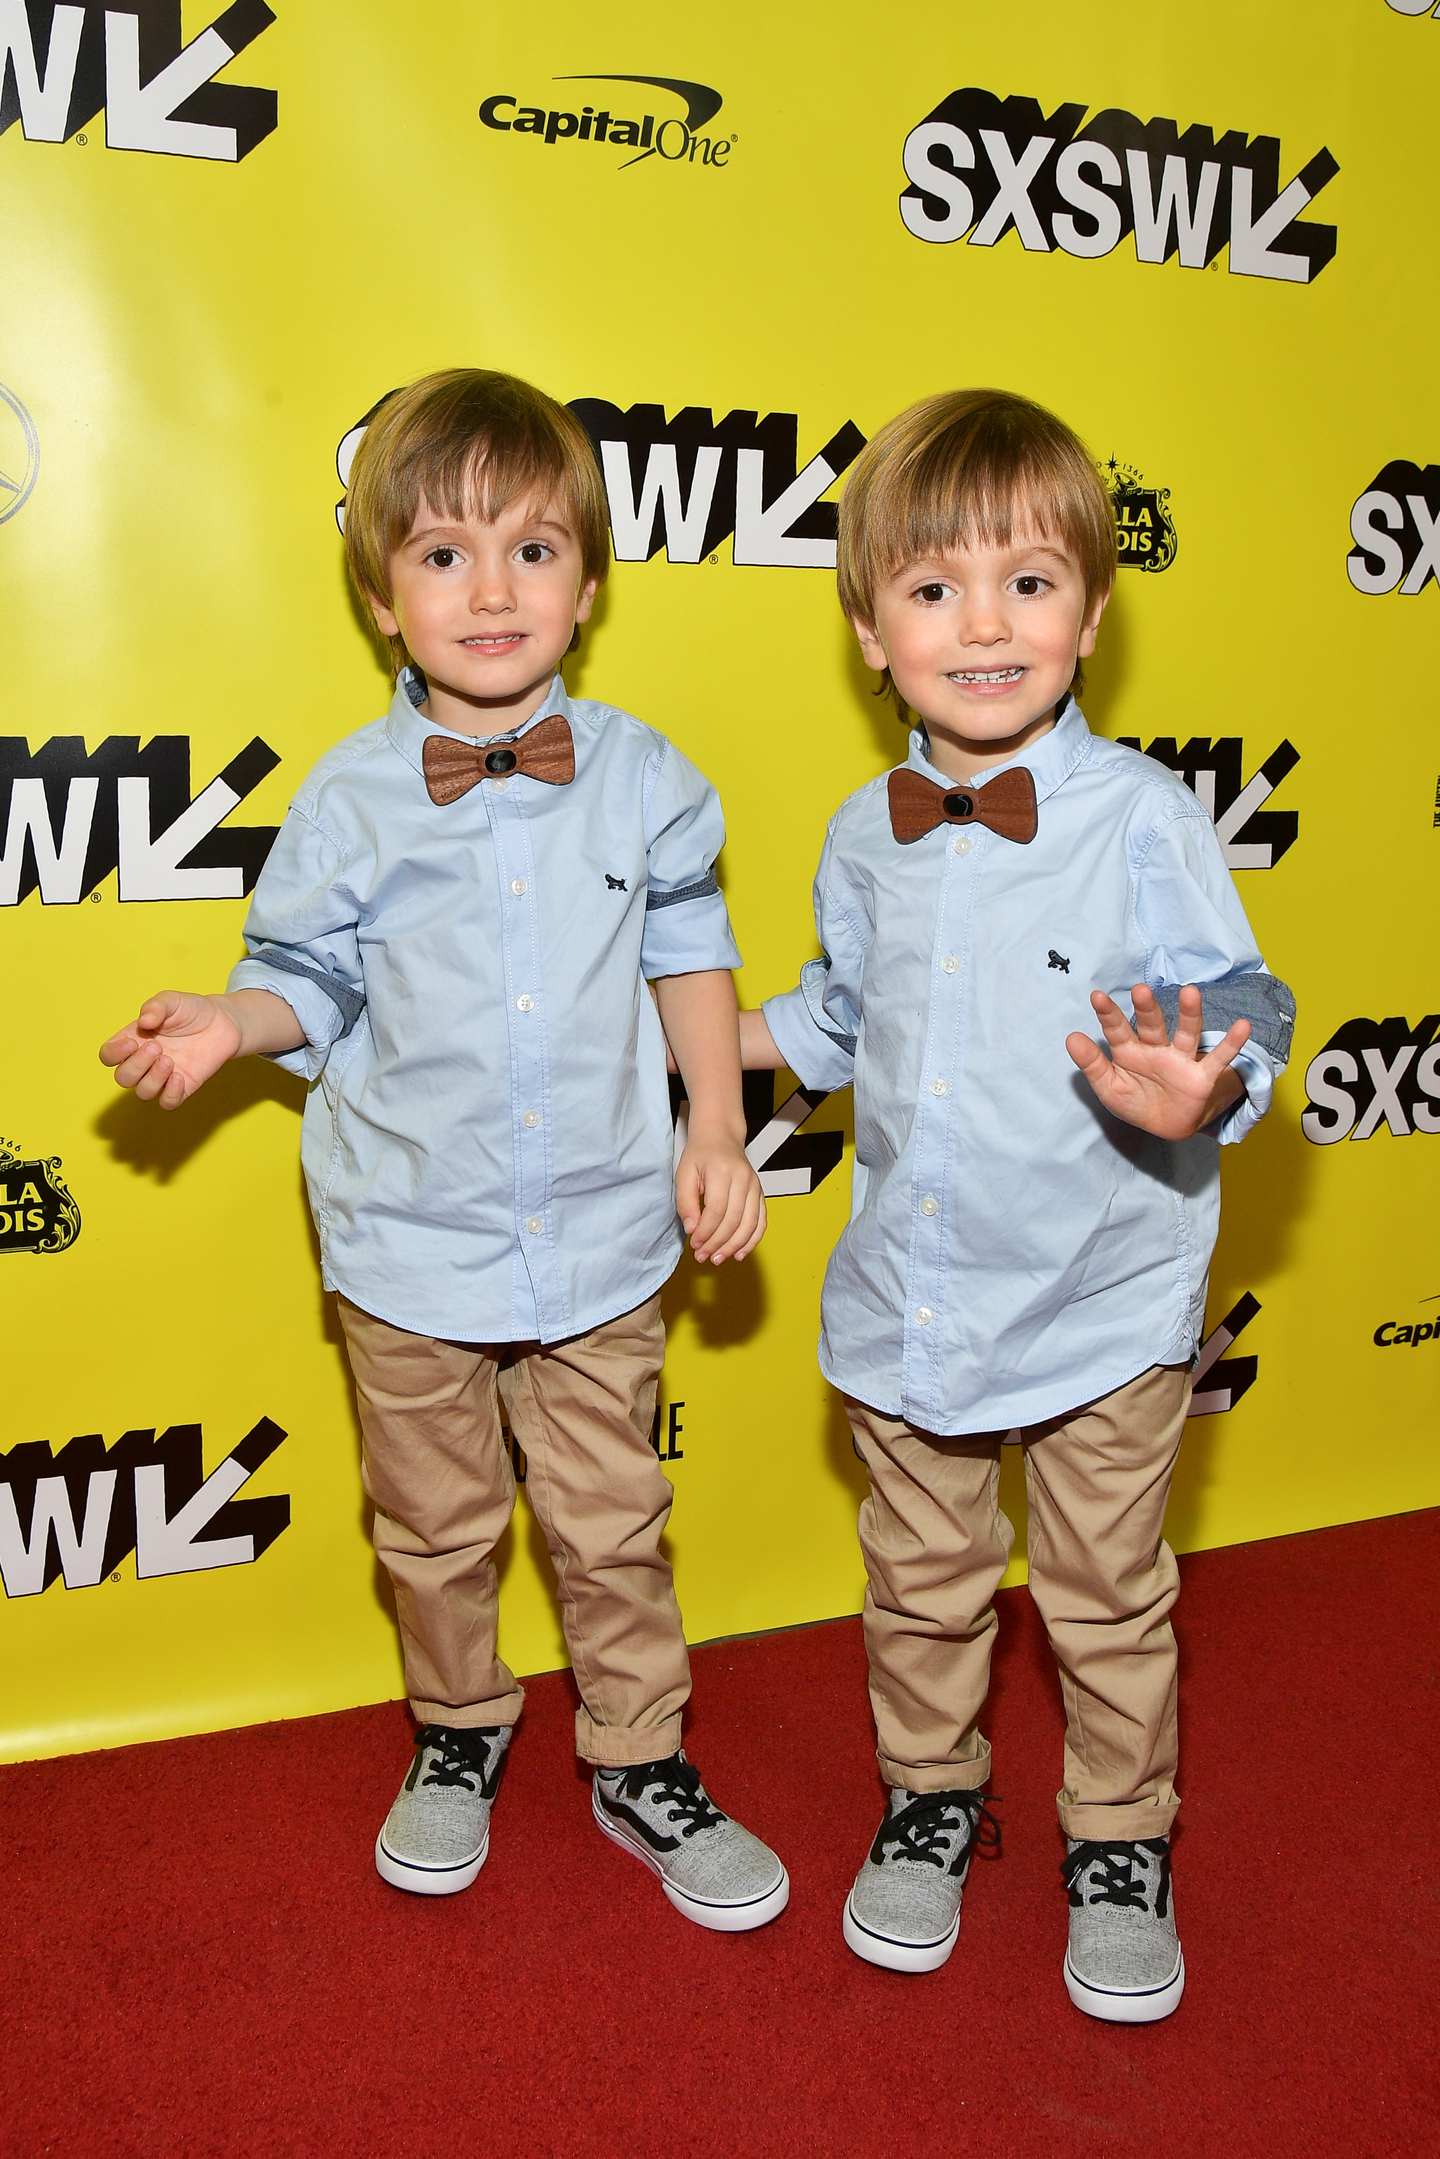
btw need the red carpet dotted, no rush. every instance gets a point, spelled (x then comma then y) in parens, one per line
(198, 1957)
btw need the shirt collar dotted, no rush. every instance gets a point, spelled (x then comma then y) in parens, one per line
(1051, 760)
(407, 729)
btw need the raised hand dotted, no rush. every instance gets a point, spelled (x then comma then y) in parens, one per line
(179, 1038)
(1161, 1084)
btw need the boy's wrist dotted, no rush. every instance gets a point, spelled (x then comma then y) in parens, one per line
(716, 1128)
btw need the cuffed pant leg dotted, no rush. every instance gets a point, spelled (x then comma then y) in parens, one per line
(583, 1411)
(435, 1465)
(935, 1545)
(1104, 1580)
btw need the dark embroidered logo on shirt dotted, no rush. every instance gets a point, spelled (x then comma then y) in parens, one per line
(616, 884)
(1058, 960)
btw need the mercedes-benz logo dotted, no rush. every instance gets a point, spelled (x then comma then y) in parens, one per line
(19, 454)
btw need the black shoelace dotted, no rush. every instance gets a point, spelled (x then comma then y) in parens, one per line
(921, 1830)
(458, 1758)
(675, 1785)
(1101, 1873)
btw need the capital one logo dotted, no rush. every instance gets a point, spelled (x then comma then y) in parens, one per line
(76, 1514)
(68, 818)
(980, 167)
(60, 64)
(1395, 525)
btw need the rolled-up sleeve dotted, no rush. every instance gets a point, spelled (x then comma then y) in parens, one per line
(301, 942)
(816, 1025)
(1195, 927)
(687, 929)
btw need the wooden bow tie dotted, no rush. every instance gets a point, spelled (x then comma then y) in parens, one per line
(452, 768)
(1005, 804)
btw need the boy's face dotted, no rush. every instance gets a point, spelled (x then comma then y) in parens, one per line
(982, 643)
(486, 610)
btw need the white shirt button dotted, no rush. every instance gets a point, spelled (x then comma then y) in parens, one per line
(937, 1086)
(923, 1315)
(929, 1205)
(963, 843)
(525, 1003)
(499, 786)
(517, 886)
(949, 965)
(530, 1119)
(534, 1225)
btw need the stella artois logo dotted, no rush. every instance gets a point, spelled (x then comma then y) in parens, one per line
(37, 1213)
(1143, 524)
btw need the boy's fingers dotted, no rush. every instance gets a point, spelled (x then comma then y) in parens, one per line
(739, 1232)
(718, 1226)
(1149, 1019)
(687, 1194)
(117, 1048)
(1116, 1027)
(1226, 1050)
(1187, 1024)
(1091, 1059)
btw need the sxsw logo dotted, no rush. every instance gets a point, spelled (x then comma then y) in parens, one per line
(791, 1163)
(1395, 525)
(688, 483)
(981, 167)
(1218, 1380)
(76, 1514)
(67, 819)
(59, 65)
(1371, 1073)
(1250, 838)
(673, 140)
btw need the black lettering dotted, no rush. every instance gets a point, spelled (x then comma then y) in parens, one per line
(490, 109)
(530, 120)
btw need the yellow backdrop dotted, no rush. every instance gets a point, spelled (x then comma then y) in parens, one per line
(807, 217)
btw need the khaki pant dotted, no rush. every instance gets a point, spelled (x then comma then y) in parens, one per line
(936, 1545)
(435, 1465)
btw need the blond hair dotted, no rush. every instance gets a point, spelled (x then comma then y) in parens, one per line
(969, 468)
(472, 442)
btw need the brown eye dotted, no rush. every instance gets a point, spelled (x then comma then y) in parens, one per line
(1027, 587)
(443, 558)
(532, 551)
(932, 593)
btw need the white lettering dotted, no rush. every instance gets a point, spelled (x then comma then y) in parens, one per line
(1427, 1075)
(763, 536)
(1251, 254)
(1376, 503)
(1427, 562)
(22, 1566)
(60, 869)
(1012, 198)
(684, 522)
(1337, 1065)
(149, 869)
(169, 1547)
(43, 106)
(138, 116)
(1103, 208)
(1386, 1103)
(938, 180)
(1152, 220)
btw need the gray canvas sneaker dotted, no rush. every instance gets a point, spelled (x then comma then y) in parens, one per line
(904, 1911)
(437, 1835)
(710, 1868)
(1124, 1962)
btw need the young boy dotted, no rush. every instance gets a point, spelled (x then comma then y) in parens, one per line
(452, 940)
(1025, 1249)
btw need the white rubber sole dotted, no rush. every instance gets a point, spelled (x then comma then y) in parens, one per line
(720, 1918)
(1126, 2005)
(427, 1881)
(893, 1956)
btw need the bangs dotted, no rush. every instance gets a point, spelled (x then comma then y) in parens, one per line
(469, 443)
(971, 468)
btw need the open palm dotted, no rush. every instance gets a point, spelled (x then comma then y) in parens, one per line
(174, 1044)
(1161, 1084)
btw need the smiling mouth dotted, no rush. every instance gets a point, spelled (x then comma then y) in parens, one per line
(503, 644)
(985, 678)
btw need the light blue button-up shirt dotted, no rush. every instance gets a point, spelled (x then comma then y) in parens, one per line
(1013, 1249)
(488, 1143)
